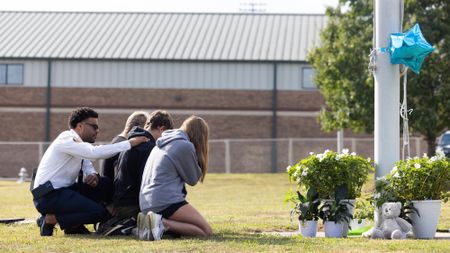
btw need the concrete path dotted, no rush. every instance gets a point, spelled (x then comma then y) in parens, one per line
(438, 236)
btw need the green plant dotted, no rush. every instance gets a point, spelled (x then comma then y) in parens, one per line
(384, 192)
(329, 170)
(306, 207)
(364, 209)
(424, 178)
(337, 209)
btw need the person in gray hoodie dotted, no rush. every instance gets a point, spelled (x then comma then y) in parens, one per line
(180, 156)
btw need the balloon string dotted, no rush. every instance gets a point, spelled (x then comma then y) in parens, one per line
(404, 114)
(372, 61)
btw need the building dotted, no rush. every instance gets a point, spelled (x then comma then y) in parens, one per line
(246, 74)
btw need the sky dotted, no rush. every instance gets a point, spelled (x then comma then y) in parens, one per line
(270, 6)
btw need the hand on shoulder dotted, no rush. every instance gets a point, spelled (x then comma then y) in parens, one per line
(137, 140)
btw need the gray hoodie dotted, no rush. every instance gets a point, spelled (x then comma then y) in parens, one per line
(171, 163)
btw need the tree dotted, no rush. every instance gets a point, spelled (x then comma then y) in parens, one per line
(341, 62)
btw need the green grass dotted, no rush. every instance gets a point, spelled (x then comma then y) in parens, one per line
(244, 210)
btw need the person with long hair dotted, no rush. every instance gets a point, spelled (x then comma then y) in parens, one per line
(180, 157)
(137, 118)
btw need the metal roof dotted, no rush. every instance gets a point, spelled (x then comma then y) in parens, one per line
(158, 36)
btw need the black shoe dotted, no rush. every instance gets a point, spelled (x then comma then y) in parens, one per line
(117, 226)
(77, 230)
(47, 229)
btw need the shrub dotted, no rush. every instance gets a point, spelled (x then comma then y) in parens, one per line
(327, 171)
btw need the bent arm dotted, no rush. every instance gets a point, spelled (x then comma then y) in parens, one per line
(88, 167)
(187, 164)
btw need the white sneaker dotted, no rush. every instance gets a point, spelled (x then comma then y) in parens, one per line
(156, 225)
(143, 227)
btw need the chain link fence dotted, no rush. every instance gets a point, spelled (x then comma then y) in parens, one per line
(226, 155)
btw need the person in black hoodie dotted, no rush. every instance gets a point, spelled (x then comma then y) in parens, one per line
(137, 118)
(127, 182)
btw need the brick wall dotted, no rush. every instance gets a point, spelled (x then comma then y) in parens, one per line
(231, 114)
(161, 98)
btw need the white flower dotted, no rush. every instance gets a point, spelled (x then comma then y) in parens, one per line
(395, 168)
(368, 159)
(305, 172)
(295, 174)
(425, 155)
(338, 157)
(377, 195)
(417, 166)
(440, 155)
(320, 157)
(345, 151)
(383, 179)
(396, 174)
(353, 154)
(288, 168)
(311, 153)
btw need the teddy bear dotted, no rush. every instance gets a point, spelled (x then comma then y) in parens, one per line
(392, 227)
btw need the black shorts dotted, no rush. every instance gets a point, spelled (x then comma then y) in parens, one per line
(169, 211)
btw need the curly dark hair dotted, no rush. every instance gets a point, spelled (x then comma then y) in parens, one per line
(80, 114)
(160, 118)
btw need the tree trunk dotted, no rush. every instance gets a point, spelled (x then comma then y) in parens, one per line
(431, 145)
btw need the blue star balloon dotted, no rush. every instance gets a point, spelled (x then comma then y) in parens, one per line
(409, 48)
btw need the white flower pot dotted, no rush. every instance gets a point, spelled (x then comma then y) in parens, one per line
(308, 228)
(351, 209)
(424, 227)
(333, 229)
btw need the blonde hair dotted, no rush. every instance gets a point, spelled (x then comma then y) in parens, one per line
(137, 118)
(198, 131)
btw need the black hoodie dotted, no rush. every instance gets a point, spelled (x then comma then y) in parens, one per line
(131, 163)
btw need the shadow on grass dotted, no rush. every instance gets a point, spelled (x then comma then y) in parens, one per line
(222, 237)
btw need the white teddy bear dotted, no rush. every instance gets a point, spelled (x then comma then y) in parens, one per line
(393, 227)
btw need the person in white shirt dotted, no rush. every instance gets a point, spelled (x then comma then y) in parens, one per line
(56, 193)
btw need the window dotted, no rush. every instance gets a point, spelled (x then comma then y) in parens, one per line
(308, 78)
(11, 73)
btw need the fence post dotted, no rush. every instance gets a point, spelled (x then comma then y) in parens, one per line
(227, 156)
(290, 152)
(41, 150)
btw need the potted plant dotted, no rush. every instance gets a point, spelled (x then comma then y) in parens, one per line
(327, 171)
(424, 182)
(336, 214)
(306, 209)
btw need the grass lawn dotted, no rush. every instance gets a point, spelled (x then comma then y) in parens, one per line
(242, 208)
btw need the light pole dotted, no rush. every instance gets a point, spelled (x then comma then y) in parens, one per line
(388, 16)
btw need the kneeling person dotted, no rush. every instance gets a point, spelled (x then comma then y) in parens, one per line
(56, 193)
(180, 157)
(127, 182)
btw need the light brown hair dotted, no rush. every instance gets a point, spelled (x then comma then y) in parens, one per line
(137, 118)
(198, 131)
